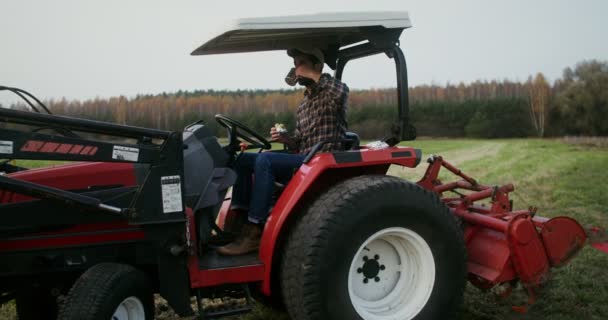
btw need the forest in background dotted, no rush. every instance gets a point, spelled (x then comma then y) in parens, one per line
(576, 104)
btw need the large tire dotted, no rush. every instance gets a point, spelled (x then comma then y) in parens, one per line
(109, 291)
(374, 243)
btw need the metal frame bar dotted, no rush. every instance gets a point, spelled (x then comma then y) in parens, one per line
(35, 145)
(84, 125)
(165, 159)
(66, 197)
(404, 129)
(40, 146)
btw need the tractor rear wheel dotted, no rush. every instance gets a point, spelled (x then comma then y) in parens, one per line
(109, 291)
(374, 248)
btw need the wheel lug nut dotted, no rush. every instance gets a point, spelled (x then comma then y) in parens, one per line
(359, 270)
(376, 257)
(365, 280)
(377, 279)
(382, 267)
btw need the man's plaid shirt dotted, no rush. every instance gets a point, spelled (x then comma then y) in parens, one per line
(321, 115)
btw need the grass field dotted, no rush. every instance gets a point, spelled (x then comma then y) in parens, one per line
(560, 179)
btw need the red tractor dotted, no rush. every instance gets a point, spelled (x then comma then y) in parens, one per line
(141, 211)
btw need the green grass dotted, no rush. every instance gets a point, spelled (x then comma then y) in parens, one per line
(8, 311)
(559, 179)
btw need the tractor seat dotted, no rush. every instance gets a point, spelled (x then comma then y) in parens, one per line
(354, 144)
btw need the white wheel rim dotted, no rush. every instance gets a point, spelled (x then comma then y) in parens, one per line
(130, 309)
(392, 275)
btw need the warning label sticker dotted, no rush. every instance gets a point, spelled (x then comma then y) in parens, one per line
(171, 194)
(6, 147)
(125, 153)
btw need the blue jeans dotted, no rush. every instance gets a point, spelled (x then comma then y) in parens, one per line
(254, 185)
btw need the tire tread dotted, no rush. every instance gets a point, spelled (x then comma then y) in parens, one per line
(87, 295)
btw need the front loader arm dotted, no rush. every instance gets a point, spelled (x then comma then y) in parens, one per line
(157, 205)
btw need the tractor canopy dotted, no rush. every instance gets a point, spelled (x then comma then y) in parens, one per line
(326, 31)
(341, 37)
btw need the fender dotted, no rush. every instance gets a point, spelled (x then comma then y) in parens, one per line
(323, 170)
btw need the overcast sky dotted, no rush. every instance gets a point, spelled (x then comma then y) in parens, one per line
(86, 49)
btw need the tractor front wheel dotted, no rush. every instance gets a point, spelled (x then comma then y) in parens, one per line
(374, 248)
(109, 291)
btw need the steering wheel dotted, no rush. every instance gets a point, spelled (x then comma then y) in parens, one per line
(238, 130)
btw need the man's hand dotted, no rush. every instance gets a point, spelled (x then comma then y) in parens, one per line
(305, 71)
(278, 137)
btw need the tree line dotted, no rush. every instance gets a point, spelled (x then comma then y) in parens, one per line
(576, 104)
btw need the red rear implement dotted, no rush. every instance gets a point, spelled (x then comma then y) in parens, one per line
(503, 244)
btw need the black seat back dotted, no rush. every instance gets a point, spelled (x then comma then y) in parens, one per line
(354, 144)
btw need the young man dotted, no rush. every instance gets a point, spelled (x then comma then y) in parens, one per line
(321, 116)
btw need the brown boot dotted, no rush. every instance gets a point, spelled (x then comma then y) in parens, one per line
(235, 220)
(246, 242)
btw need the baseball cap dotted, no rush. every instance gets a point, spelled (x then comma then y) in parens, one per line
(315, 52)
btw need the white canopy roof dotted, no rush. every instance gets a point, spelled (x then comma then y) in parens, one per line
(323, 30)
